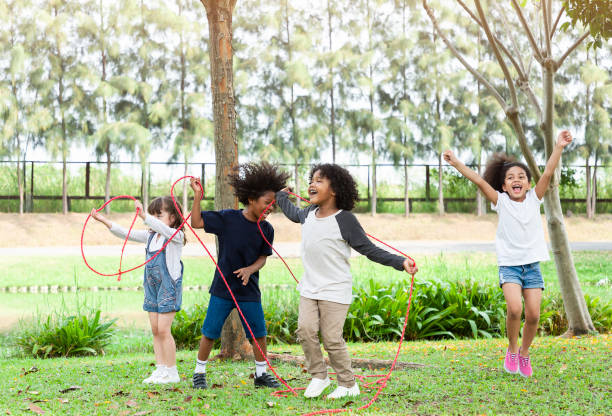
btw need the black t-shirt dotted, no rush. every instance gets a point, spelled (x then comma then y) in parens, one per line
(240, 244)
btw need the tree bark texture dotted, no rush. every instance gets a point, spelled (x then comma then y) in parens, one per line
(219, 13)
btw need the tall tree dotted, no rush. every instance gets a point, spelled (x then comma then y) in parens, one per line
(62, 91)
(189, 60)
(219, 14)
(575, 306)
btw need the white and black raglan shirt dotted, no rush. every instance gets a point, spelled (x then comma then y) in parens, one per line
(326, 250)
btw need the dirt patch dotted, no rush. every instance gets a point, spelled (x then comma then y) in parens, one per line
(43, 230)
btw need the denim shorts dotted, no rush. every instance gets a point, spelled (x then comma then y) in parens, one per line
(528, 276)
(218, 311)
(163, 294)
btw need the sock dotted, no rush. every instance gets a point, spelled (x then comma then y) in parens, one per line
(172, 370)
(200, 366)
(260, 368)
(159, 367)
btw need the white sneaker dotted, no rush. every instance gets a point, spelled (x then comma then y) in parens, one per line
(316, 387)
(344, 392)
(167, 376)
(156, 373)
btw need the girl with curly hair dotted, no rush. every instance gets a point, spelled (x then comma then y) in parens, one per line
(242, 253)
(329, 231)
(519, 242)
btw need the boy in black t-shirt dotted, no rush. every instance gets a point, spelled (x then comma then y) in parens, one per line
(242, 253)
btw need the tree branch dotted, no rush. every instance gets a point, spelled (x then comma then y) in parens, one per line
(552, 32)
(532, 41)
(559, 62)
(519, 67)
(545, 18)
(500, 59)
(454, 51)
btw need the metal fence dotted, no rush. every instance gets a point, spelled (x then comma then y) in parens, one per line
(42, 182)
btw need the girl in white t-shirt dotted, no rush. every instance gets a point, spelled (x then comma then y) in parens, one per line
(519, 241)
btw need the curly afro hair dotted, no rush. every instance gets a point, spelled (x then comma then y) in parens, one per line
(497, 166)
(342, 183)
(253, 180)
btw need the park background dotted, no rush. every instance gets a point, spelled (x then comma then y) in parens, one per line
(100, 99)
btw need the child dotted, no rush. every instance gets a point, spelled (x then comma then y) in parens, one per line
(163, 277)
(519, 242)
(329, 230)
(242, 253)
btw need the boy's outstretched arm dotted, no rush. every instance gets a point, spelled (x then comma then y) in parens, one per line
(196, 210)
(487, 190)
(564, 138)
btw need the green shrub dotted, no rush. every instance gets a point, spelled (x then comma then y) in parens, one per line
(281, 314)
(186, 327)
(66, 336)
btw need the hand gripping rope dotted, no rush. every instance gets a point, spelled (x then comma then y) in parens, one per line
(382, 379)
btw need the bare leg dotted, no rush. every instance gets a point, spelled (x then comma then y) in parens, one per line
(533, 299)
(514, 307)
(262, 343)
(153, 320)
(206, 346)
(166, 341)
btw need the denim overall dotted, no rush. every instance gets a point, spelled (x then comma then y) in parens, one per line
(162, 293)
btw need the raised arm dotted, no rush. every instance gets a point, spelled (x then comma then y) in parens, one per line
(121, 232)
(487, 190)
(292, 212)
(564, 138)
(196, 210)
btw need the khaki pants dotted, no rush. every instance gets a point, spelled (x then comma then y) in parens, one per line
(327, 317)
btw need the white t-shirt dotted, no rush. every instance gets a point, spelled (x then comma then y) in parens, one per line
(520, 235)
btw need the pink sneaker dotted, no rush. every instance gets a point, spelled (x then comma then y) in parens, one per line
(511, 364)
(525, 366)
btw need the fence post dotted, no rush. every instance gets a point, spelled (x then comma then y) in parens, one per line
(87, 167)
(203, 180)
(427, 182)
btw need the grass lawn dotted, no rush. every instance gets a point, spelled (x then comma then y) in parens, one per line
(572, 376)
(68, 270)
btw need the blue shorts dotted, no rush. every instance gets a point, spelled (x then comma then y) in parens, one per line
(528, 276)
(218, 311)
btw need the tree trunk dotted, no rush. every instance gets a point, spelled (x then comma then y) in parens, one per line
(406, 199)
(480, 201)
(594, 191)
(108, 178)
(296, 174)
(589, 209)
(576, 309)
(185, 206)
(331, 87)
(373, 200)
(144, 189)
(64, 187)
(440, 193)
(219, 14)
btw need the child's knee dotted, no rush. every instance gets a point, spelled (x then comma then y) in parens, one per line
(514, 313)
(532, 318)
(307, 331)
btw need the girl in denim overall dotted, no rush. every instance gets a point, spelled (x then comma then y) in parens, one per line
(163, 278)
(519, 242)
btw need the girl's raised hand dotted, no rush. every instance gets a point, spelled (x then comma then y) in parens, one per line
(410, 266)
(96, 215)
(196, 185)
(449, 157)
(140, 209)
(564, 138)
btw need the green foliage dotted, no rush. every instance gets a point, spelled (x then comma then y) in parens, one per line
(186, 327)
(66, 336)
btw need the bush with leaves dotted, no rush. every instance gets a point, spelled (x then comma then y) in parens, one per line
(186, 328)
(66, 336)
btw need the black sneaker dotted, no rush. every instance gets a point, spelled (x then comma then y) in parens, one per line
(266, 380)
(199, 381)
